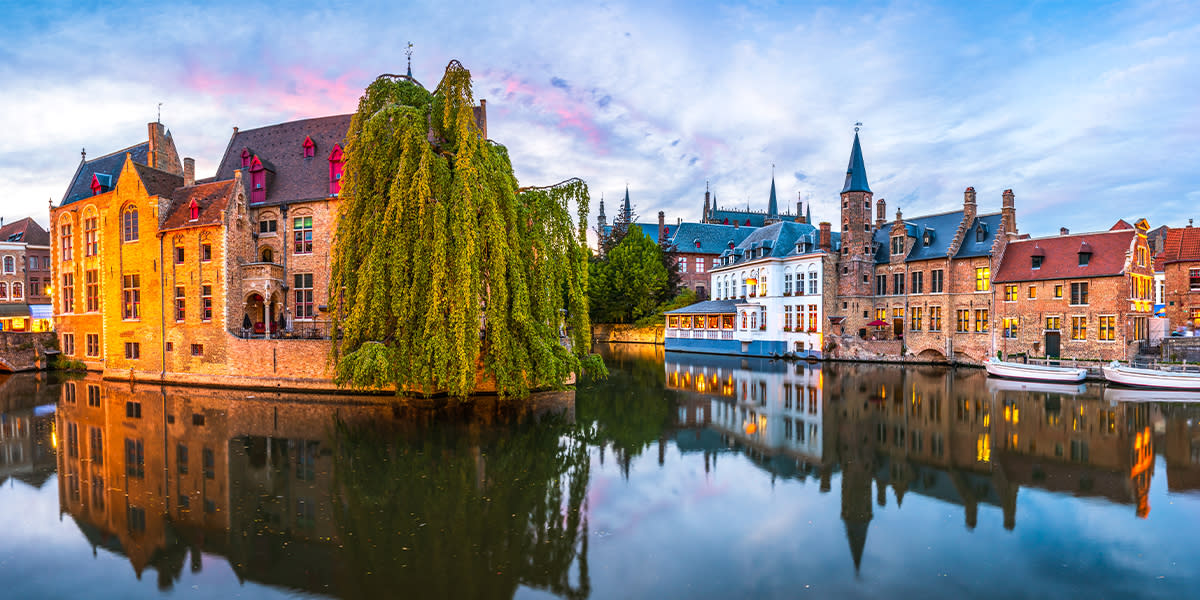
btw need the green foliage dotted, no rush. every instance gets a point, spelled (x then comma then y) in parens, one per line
(66, 364)
(445, 267)
(629, 282)
(684, 298)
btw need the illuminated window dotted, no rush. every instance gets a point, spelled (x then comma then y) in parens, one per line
(1053, 323)
(935, 318)
(1058, 290)
(1194, 280)
(1079, 328)
(983, 279)
(915, 318)
(1010, 293)
(1033, 292)
(881, 314)
(1011, 326)
(981, 320)
(812, 317)
(1108, 328)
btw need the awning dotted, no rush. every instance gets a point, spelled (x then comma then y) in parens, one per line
(41, 311)
(8, 311)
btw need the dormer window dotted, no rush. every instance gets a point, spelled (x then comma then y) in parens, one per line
(95, 185)
(310, 147)
(980, 233)
(258, 181)
(1084, 258)
(101, 182)
(1037, 262)
(335, 170)
(246, 157)
(898, 245)
(928, 239)
(193, 210)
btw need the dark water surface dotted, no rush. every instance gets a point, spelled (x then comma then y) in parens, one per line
(683, 476)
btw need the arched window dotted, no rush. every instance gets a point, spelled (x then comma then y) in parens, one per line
(3, 291)
(91, 233)
(258, 181)
(245, 157)
(335, 170)
(193, 210)
(310, 148)
(10, 265)
(129, 224)
(744, 320)
(18, 290)
(267, 254)
(812, 283)
(753, 320)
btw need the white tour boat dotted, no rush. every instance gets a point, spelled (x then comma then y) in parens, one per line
(1037, 387)
(1126, 394)
(1115, 372)
(1012, 370)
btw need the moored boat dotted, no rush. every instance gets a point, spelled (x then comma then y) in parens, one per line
(1016, 385)
(1126, 394)
(1115, 372)
(1011, 370)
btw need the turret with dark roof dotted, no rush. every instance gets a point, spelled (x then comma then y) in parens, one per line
(856, 171)
(772, 203)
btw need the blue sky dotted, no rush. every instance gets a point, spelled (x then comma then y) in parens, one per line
(1087, 110)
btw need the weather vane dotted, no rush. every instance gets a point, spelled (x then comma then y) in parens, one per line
(159, 112)
(408, 53)
(856, 126)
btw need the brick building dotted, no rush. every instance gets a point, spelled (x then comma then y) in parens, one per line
(1086, 296)
(1180, 263)
(25, 278)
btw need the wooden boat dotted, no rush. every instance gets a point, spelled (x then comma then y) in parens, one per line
(1124, 394)
(1115, 372)
(1009, 385)
(1011, 370)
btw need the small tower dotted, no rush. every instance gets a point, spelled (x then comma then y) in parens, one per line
(857, 260)
(707, 205)
(772, 202)
(601, 221)
(626, 215)
(1008, 212)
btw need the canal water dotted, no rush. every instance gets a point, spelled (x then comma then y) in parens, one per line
(679, 476)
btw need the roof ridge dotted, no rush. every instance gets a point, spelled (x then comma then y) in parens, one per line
(116, 152)
(1055, 237)
(241, 131)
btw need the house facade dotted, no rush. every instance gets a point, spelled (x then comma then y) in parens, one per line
(1180, 264)
(25, 277)
(1085, 296)
(770, 296)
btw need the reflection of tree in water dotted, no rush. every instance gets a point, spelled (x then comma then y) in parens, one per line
(462, 511)
(631, 409)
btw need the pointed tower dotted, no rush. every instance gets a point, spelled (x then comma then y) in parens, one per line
(856, 259)
(707, 205)
(626, 210)
(601, 221)
(772, 205)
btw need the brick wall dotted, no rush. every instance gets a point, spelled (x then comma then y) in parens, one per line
(1178, 296)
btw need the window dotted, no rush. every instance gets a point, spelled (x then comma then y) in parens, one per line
(812, 317)
(92, 344)
(1079, 328)
(1079, 293)
(897, 245)
(935, 318)
(787, 317)
(136, 518)
(1141, 328)
(1053, 323)
(68, 292)
(178, 255)
(1195, 317)
(133, 350)
(133, 410)
(1194, 280)
(682, 264)
(181, 459)
(335, 170)
(1011, 326)
(304, 296)
(68, 344)
(180, 304)
(169, 346)
(131, 297)
(915, 318)
(193, 210)
(35, 288)
(880, 314)
(812, 283)
(918, 282)
(96, 443)
(245, 157)
(1084, 258)
(881, 285)
(206, 303)
(898, 313)
(91, 290)
(787, 284)
(302, 233)
(1036, 262)
(898, 283)
(197, 349)
(135, 461)
(1143, 255)
(10, 265)
(983, 279)
(33, 263)
(267, 226)
(65, 230)
(258, 181)
(18, 290)
(1033, 292)
(129, 224)
(1108, 328)
(1010, 293)
(93, 393)
(205, 252)
(1058, 289)
(210, 464)
(981, 320)
(699, 265)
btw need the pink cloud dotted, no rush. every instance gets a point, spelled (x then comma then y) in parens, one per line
(571, 112)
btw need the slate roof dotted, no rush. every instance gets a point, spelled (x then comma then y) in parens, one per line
(856, 170)
(745, 218)
(109, 164)
(1181, 244)
(713, 238)
(282, 147)
(781, 238)
(1109, 250)
(710, 307)
(650, 230)
(30, 232)
(941, 228)
(211, 198)
(158, 183)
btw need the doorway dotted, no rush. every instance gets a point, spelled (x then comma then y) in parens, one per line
(1052, 340)
(898, 328)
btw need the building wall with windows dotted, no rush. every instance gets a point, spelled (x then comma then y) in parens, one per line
(24, 276)
(1180, 260)
(1091, 295)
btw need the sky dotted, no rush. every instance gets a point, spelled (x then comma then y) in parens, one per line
(1087, 110)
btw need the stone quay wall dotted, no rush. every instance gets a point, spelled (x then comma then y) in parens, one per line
(614, 332)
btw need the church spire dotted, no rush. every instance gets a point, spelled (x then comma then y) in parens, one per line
(772, 204)
(856, 171)
(408, 53)
(627, 210)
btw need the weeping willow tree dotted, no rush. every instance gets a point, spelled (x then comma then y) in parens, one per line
(445, 273)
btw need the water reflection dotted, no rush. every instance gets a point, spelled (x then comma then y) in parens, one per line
(328, 495)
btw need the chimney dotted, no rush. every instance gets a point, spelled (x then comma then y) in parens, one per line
(970, 209)
(189, 172)
(735, 223)
(800, 212)
(1008, 211)
(481, 117)
(662, 225)
(1064, 231)
(880, 214)
(162, 155)
(825, 242)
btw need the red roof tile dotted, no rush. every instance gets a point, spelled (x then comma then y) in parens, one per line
(1181, 244)
(211, 198)
(1109, 249)
(31, 232)
(1120, 224)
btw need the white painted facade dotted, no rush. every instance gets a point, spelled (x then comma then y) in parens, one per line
(779, 299)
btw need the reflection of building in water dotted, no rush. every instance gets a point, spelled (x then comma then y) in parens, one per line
(1181, 446)
(267, 481)
(27, 434)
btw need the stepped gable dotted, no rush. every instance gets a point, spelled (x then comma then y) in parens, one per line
(211, 198)
(281, 147)
(109, 164)
(1109, 250)
(25, 230)
(972, 245)
(1181, 244)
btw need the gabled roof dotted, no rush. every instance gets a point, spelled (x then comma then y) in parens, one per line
(281, 149)
(713, 238)
(1181, 244)
(935, 233)
(109, 164)
(1120, 224)
(1061, 261)
(781, 240)
(157, 183)
(30, 232)
(856, 171)
(971, 248)
(711, 307)
(211, 198)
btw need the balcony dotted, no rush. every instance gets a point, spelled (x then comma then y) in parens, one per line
(262, 271)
